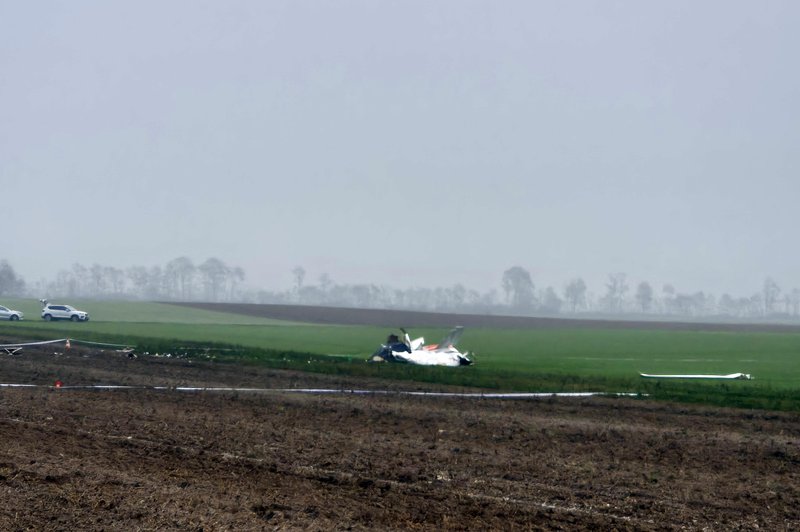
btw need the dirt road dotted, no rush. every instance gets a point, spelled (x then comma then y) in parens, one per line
(144, 459)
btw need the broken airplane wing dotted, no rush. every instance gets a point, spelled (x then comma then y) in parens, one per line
(730, 376)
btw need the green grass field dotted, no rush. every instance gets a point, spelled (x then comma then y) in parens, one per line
(523, 360)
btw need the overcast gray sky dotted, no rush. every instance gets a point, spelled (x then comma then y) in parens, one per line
(413, 143)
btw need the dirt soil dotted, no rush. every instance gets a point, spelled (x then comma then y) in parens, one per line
(147, 459)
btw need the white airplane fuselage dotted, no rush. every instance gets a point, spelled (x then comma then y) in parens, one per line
(423, 357)
(416, 352)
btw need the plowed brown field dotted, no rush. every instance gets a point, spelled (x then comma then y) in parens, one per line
(411, 318)
(146, 459)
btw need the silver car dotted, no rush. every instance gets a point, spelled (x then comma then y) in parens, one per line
(63, 312)
(11, 315)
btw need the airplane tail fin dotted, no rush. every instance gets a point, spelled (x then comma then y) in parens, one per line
(406, 338)
(452, 337)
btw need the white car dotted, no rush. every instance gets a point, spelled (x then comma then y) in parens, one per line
(63, 312)
(11, 315)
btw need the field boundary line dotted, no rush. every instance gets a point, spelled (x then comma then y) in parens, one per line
(329, 391)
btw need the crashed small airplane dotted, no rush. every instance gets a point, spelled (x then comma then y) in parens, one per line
(416, 352)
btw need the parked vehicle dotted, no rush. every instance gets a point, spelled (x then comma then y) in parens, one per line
(11, 315)
(63, 312)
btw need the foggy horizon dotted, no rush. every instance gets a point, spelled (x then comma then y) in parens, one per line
(405, 144)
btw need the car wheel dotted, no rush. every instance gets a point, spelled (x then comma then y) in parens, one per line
(74, 318)
(14, 317)
(48, 317)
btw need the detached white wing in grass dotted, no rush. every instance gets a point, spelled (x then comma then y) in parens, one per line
(730, 376)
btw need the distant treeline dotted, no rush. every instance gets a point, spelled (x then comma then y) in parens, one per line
(215, 281)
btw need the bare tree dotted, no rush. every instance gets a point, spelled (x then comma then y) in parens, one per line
(726, 305)
(710, 306)
(156, 283)
(235, 276)
(457, 294)
(214, 273)
(139, 279)
(325, 282)
(518, 286)
(771, 292)
(551, 303)
(10, 283)
(116, 279)
(787, 303)
(615, 291)
(668, 298)
(311, 295)
(363, 295)
(62, 283)
(490, 298)
(299, 274)
(795, 296)
(97, 276)
(575, 294)
(80, 276)
(181, 272)
(644, 296)
(756, 305)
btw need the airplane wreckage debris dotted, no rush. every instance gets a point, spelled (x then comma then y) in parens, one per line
(416, 352)
(18, 348)
(730, 376)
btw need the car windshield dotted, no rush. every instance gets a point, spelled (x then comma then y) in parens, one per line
(2, 308)
(67, 307)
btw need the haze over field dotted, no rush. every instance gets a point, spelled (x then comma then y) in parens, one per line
(407, 143)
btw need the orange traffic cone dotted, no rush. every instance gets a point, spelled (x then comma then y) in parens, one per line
(68, 346)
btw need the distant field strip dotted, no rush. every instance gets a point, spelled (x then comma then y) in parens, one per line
(407, 318)
(142, 312)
